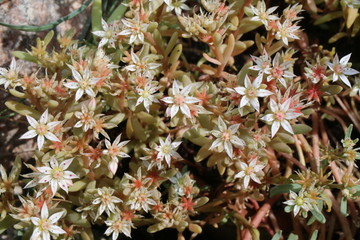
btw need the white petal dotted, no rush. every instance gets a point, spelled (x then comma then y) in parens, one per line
(44, 211)
(55, 217)
(274, 128)
(286, 125)
(44, 117)
(28, 134)
(32, 121)
(52, 137)
(66, 163)
(79, 94)
(40, 141)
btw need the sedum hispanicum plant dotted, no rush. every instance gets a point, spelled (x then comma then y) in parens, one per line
(129, 125)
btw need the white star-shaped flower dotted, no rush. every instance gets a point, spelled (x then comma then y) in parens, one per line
(83, 83)
(167, 149)
(178, 5)
(252, 171)
(262, 14)
(180, 100)
(45, 225)
(341, 69)
(106, 200)
(146, 95)
(251, 92)
(9, 76)
(299, 202)
(42, 129)
(226, 137)
(115, 151)
(280, 116)
(108, 35)
(57, 175)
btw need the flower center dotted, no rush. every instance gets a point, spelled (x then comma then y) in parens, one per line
(145, 94)
(251, 92)
(41, 129)
(166, 149)
(118, 225)
(277, 72)
(57, 173)
(226, 136)
(179, 99)
(263, 16)
(249, 170)
(280, 116)
(44, 225)
(338, 69)
(299, 201)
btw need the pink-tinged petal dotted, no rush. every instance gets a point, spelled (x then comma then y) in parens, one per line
(175, 154)
(52, 137)
(29, 134)
(66, 163)
(44, 211)
(44, 117)
(79, 94)
(40, 141)
(274, 128)
(56, 230)
(286, 125)
(292, 115)
(32, 121)
(45, 179)
(55, 217)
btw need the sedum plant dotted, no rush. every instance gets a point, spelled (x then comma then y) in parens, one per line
(129, 124)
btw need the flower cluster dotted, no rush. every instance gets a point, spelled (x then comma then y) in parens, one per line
(122, 123)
